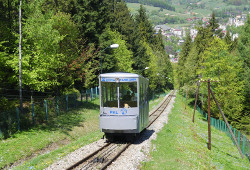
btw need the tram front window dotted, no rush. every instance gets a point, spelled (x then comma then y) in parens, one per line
(128, 94)
(109, 94)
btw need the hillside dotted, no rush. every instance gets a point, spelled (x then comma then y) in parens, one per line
(192, 9)
(183, 144)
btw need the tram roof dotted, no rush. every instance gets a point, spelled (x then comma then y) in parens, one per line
(119, 74)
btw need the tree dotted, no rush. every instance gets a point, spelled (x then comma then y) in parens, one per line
(186, 48)
(244, 53)
(45, 59)
(92, 17)
(145, 27)
(123, 22)
(119, 59)
(214, 26)
(217, 61)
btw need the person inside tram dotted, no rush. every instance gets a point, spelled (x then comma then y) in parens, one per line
(133, 97)
(127, 97)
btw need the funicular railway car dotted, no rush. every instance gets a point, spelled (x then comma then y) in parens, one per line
(124, 104)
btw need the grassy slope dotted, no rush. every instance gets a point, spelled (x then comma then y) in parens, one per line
(183, 145)
(68, 132)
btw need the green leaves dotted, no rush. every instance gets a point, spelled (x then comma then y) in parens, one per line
(211, 57)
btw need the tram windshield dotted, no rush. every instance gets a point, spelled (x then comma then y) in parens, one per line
(127, 96)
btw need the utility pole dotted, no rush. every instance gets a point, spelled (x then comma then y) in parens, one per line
(20, 57)
(208, 112)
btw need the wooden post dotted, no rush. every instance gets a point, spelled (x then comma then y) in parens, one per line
(75, 100)
(243, 147)
(91, 93)
(57, 106)
(209, 126)
(238, 137)
(33, 113)
(67, 102)
(230, 130)
(196, 97)
(46, 110)
(186, 98)
(18, 118)
(86, 96)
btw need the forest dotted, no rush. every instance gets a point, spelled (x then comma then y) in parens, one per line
(63, 44)
(156, 3)
(224, 61)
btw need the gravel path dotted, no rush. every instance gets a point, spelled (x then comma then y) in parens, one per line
(131, 158)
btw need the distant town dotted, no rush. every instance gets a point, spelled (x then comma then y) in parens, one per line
(180, 32)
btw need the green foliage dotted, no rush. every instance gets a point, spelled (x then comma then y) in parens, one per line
(92, 16)
(216, 63)
(63, 43)
(119, 59)
(244, 53)
(124, 23)
(186, 48)
(48, 46)
(211, 57)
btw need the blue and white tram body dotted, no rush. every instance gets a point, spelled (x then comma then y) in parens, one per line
(124, 104)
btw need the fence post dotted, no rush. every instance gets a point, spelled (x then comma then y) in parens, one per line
(81, 96)
(234, 134)
(46, 110)
(96, 92)
(230, 133)
(243, 147)
(87, 96)
(67, 102)
(220, 125)
(91, 93)
(75, 97)
(33, 113)
(225, 127)
(57, 106)
(18, 118)
(0, 133)
(239, 138)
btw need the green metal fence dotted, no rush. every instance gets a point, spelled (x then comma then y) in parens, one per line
(242, 140)
(42, 109)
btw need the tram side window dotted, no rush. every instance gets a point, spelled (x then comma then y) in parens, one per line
(128, 94)
(109, 94)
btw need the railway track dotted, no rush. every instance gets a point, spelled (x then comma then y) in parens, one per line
(103, 157)
(157, 112)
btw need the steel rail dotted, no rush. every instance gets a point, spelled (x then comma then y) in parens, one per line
(106, 153)
(116, 156)
(87, 157)
(163, 106)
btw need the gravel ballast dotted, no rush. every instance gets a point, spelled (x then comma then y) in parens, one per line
(131, 158)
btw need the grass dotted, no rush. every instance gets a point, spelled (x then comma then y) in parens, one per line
(41, 146)
(183, 145)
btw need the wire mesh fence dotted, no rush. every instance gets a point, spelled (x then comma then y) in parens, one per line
(40, 109)
(242, 140)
